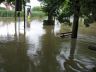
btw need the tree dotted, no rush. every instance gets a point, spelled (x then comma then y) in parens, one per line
(88, 9)
(65, 11)
(76, 18)
(51, 7)
(79, 8)
(48, 7)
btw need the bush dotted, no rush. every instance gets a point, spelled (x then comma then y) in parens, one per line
(38, 14)
(37, 8)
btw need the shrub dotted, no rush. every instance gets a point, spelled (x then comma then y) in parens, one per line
(38, 14)
(37, 8)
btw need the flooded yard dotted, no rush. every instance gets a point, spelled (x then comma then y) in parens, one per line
(39, 49)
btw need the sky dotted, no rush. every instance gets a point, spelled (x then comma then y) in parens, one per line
(34, 3)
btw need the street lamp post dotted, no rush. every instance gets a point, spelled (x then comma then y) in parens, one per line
(24, 3)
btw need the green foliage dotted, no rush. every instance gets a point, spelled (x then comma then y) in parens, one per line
(10, 1)
(66, 8)
(61, 9)
(88, 11)
(38, 14)
(55, 6)
(51, 7)
(65, 11)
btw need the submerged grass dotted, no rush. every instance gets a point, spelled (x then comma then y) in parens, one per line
(65, 28)
(91, 30)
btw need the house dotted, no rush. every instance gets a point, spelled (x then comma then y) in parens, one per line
(8, 6)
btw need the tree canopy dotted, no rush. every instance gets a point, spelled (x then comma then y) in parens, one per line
(88, 10)
(51, 7)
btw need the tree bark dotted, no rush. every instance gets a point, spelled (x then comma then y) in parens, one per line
(76, 19)
(50, 17)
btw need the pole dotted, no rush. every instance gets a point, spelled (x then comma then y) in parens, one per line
(24, 12)
(15, 20)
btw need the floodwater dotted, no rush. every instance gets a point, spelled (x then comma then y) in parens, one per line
(39, 49)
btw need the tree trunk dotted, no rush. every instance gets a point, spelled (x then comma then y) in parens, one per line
(94, 14)
(50, 17)
(50, 20)
(76, 19)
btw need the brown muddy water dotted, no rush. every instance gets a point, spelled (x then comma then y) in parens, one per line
(39, 49)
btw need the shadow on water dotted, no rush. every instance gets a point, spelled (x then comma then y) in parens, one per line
(49, 50)
(39, 50)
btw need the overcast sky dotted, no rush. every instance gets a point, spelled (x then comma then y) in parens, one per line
(34, 3)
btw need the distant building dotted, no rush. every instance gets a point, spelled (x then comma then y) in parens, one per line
(3, 5)
(8, 6)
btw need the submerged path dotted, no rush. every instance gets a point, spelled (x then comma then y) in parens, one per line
(40, 50)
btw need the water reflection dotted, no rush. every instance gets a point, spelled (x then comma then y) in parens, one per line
(28, 24)
(44, 60)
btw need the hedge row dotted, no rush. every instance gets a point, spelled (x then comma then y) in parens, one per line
(7, 13)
